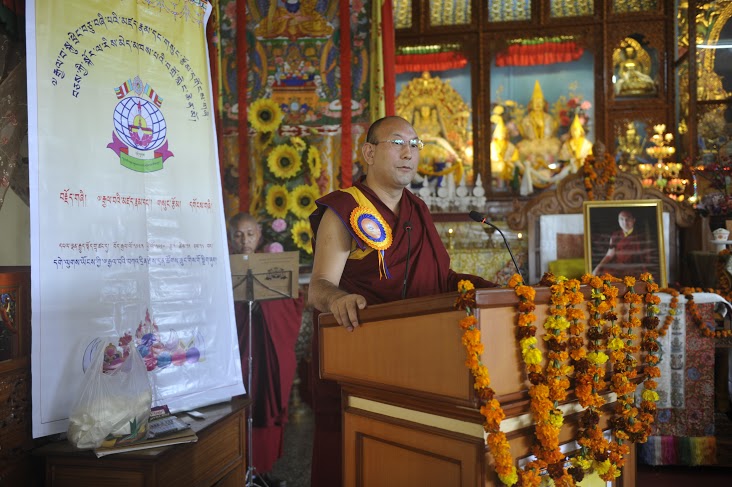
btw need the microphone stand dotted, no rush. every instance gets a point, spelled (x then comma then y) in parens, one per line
(481, 219)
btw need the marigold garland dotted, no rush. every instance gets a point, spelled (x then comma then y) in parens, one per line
(491, 408)
(590, 379)
(564, 341)
(696, 316)
(650, 355)
(599, 174)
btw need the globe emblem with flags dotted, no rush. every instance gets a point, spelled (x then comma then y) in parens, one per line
(139, 123)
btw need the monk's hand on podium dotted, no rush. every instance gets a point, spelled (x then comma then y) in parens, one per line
(345, 309)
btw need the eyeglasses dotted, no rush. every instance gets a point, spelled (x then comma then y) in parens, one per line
(399, 143)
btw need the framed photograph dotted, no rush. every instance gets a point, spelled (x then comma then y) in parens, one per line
(625, 238)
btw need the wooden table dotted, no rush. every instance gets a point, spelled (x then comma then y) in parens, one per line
(218, 457)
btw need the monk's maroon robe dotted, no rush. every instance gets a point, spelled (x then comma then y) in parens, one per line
(429, 273)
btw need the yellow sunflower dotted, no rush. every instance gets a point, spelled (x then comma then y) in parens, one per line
(265, 115)
(302, 235)
(298, 143)
(314, 161)
(277, 199)
(302, 200)
(262, 140)
(284, 162)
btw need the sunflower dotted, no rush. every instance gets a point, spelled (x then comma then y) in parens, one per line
(265, 115)
(298, 143)
(302, 235)
(302, 200)
(277, 198)
(314, 161)
(262, 140)
(284, 162)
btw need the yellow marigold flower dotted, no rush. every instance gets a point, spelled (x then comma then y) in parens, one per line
(527, 342)
(651, 396)
(556, 420)
(556, 323)
(515, 280)
(265, 115)
(532, 356)
(602, 467)
(284, 162)
(597, 294)
(597, 358)
(302, 235)
(277, 200)
(646, 276)
(465, 285)
(616, 344)
(510, 478)
(629, 281)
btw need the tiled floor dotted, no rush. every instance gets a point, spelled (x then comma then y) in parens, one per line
(294, 466)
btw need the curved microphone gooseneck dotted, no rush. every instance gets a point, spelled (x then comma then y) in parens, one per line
(408, 229)
(482, 219)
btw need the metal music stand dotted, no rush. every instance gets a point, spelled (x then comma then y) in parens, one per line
(254, 287)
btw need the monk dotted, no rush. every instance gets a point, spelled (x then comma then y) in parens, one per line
(373, 243)
(274, 334)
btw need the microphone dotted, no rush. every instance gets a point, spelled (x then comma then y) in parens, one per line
(482, 219)
(407, 228)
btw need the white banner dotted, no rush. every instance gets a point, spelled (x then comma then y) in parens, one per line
(128, 237)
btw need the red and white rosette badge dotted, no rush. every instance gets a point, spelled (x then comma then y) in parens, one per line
(373, 230)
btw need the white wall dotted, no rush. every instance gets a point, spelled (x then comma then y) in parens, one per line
(14, 231)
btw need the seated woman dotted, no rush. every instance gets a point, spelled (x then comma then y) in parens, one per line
(274, 334)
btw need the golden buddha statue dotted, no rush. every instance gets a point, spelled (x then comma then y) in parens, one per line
(630, 145)
(503, 153)
(440, 117)
(539, 148)
(574, 150)
(632, 70)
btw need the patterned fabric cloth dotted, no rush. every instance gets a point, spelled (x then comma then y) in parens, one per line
(684, 434)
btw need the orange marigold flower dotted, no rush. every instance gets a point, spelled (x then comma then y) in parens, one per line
(468, 321)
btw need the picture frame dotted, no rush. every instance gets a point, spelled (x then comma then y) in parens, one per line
(608, 248)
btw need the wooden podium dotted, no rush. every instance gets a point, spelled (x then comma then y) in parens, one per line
(410, 415)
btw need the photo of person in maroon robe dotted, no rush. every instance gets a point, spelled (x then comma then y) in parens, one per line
(629, 251)
(389, 251)
(274, 334)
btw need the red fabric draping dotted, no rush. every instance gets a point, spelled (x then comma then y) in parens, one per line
(387, 29)
(241, 83)
(541, 53)
(414, 63)
(345, 59)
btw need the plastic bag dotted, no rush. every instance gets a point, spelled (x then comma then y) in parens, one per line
(113, 404)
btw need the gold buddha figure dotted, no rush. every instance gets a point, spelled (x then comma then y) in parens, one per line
(503, 153)
(630, 145)
(632, 66)
(574, 150)
(539, 147)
